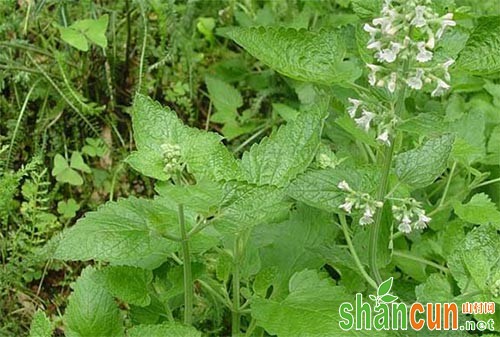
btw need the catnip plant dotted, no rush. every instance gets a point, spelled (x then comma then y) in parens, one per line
(343, 184)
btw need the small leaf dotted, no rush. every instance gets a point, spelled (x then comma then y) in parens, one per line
(40, 325)
(479, 210)
(60, 164)
(385, 287)
(74, 38)
(78, 163)
(68, 208)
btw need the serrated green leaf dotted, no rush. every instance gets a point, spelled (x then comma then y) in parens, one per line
(318, 188)
(470, 140)
(163, 330)
(126, 232)
(479, 210)
(40, 325)
(277, 159)
(289, 246)
(367, 9)
(129, 284)
(476, 259)
(203, 197)
(420, 167)
(434, 290)
(480, 55)
(310, 310)
(91, 310)
(77, 162)
(244, 207)
(316, 57)
(224, 96)
(202, 151)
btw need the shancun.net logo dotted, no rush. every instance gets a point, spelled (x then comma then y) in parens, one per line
(387, 314)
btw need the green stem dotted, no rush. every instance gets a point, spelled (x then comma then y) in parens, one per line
(360, 266)
(236, 321)
(419, 259)
(188, 275)
(383, 186)
(447, 187)
(488, 182)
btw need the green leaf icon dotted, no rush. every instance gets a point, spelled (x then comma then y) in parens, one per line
(388, 298)
(385, 287)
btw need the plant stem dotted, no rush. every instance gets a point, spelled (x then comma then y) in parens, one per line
(384, 184)
(419, 259)
(447, 187)
(360, 266)
(188, 276)
(488, 182)
(235, 327)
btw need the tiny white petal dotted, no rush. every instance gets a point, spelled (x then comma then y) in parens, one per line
(343, 185)
(391, 85)
(424, 55)
(404, 228)
(384, 138)
(441, 88)
(365, 119)
(374, 45)
(347, 206)
(369, 29)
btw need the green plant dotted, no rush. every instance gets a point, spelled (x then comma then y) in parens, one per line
(386, 168)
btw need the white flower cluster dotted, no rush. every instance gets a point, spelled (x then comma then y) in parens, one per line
(364, 115)
(410, 215)
(171, 157)
(358, 200)
(391, 37)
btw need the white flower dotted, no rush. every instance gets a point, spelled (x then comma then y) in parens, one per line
(422, 221)
(385, 24)
(384, 137)
(415, 82)
(404, 226)
(367, 217)
(424, 55)
(374, 45)
(431, 42)
(396, 47)
(446, 66)
(371, 30)
(347, 206)
(386, 55)
(419, 20)
(446, 21)
(441, 88)
(355, 103)
(344, 186)
(372, 77)
(391, 85)
(365, 119)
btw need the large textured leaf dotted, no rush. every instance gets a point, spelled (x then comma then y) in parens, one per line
(318, 188)
(480, 55)
(289, 246)
(420, 167)
(130, 284)
(303, 55)
(246, 206)
(276, 160)
(163, 330)
(202, 151)
(91, 310)
(127, 232)
(311, 309)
